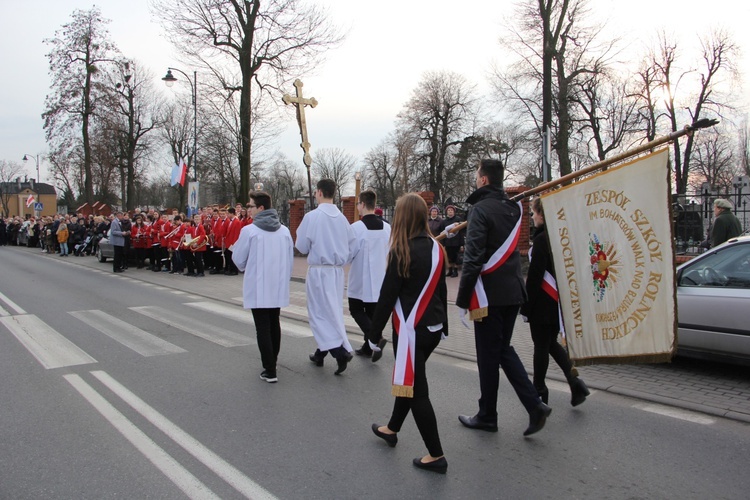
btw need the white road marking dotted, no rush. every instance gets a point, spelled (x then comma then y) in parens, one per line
(231, 312)
(198, 328)
(678, 413)
(180, 476)
(12, 304)
(3, 311)
(49, 347)
(288, 328)
(218, 465)
(126, 334)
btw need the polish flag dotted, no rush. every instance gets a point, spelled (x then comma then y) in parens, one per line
(30, 200)
(183, 172)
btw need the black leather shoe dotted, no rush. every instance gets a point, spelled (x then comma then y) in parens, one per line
(318, 360)
(537, 419)
(364, 350)
(391, 439)
(376, 355)
(475, 423)
(440, 465)
(342, 362)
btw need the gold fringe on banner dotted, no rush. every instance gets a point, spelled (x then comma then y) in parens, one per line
(478, 314)
(664, 357)
(402, 391)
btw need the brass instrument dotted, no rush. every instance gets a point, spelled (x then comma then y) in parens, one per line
(198, 243)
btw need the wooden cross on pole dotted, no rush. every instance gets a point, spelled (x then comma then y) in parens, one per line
(299, 103)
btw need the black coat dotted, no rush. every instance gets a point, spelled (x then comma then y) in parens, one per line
(408, 289)
(458, 240)
(540, 307)
(490, 221)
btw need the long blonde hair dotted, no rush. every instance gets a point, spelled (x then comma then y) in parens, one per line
(409, 220)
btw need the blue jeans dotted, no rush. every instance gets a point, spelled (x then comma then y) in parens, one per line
(64, 248)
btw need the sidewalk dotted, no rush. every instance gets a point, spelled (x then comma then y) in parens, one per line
(704, 387)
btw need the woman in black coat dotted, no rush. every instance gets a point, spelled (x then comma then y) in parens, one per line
(543, 314)
(416, 268)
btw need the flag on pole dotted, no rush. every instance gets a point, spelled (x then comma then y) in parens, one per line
(183, 171)
(611, 240)
(30, 200)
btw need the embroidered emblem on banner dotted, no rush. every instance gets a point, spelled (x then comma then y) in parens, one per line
(604, 266)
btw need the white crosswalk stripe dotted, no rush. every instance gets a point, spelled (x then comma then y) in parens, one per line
(49, 347)
(198, 328)
(288, 328)
(126, 334)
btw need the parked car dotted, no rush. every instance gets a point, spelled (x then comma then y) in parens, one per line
(105, 250)
(713, 303)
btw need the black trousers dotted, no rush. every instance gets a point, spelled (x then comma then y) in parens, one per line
(362, 312)
(492, 336)
(546, 345)
(118, 261)
(268, 333)
(420, 405)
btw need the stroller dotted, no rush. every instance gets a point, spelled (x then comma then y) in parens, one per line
(86, 246)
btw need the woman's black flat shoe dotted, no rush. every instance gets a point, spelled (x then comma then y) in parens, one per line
(440, 465)
(391, 439)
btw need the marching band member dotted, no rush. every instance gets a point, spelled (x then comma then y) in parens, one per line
(175, 240)
(140, 235)
(164, 229)
(232, 229)
(219, 248)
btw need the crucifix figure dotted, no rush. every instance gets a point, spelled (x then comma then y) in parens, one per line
(299, 103)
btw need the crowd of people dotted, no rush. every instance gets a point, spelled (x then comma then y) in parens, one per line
(167, 241)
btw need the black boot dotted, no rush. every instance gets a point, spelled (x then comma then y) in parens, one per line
(544, 394)
(578, 391)
(454, 273)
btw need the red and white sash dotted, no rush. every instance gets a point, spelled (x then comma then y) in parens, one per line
(479, 303)
(403, 370)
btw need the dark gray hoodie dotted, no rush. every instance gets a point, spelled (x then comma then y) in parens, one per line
(267, 220)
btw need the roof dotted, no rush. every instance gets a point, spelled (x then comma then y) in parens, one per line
(18, 187)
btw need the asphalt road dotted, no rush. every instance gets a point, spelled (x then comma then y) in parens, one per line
(119, 388)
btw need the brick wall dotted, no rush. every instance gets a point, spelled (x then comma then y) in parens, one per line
(296, 213)
(349, 208)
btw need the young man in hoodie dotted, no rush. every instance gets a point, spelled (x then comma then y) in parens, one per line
(264, 251)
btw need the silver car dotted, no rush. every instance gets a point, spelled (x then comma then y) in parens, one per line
(713, 303)
(105, 250)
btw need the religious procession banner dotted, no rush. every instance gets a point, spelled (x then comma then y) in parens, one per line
(611, 241)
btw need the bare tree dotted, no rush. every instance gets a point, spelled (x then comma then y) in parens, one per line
(335, 164)
(439, 114)
(9, 172)
(575, 52)
(242, 42)
(78, 52)
(691, 94)
(714, 161)
(134, 118)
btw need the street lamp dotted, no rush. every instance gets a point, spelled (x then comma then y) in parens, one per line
(169, 80)
(26, 158)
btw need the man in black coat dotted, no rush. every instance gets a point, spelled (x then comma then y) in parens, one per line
(491, 237)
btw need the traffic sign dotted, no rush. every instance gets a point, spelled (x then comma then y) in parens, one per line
(38, 206)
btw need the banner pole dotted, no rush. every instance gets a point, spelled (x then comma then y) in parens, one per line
(689, 129)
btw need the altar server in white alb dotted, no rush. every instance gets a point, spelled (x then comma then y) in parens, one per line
(264, 251)
(328, 240)
(367, 271)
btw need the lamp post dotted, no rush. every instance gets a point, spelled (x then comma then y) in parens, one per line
(36, 158)
(169, 80)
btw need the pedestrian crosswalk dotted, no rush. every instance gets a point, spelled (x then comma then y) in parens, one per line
(53, 349)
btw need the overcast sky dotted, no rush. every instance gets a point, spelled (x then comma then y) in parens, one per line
(363, 84)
